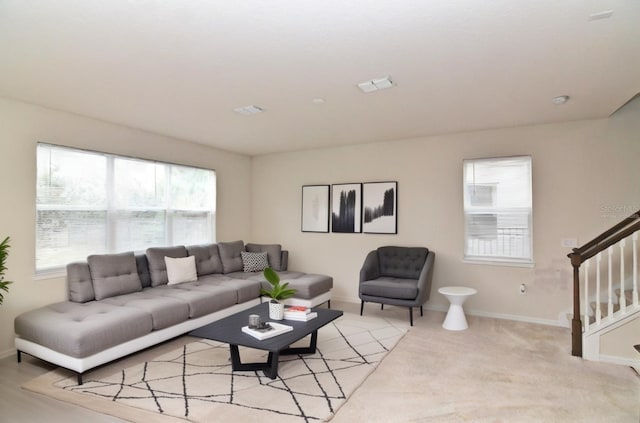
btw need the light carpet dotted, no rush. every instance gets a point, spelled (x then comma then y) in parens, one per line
(191, 378)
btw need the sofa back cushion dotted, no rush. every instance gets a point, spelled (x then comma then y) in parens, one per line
(79, 282)
(207, 258)
(274, 253)
(230, 256)
(157, 266)
(114, 274)
(402, 262)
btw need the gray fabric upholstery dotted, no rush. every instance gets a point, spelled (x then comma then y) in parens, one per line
(404, 289)
(307, 285)
(114, 274)
(82, 329)
(384, 276)
(79, 282)
(401, 262)
(274, 253)
(207, 258)
(230, 256)
(201, 301)
(157, 266)
(164, 311)
(143, 270)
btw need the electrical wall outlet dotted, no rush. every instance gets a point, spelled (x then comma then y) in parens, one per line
(523, 289)
(569, 242)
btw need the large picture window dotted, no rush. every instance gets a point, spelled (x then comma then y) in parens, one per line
(497, 209)
(90, 203)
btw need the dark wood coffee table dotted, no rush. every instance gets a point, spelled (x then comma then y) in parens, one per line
(229, 331)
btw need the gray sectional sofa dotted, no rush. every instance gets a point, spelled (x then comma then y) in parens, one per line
(122, 303)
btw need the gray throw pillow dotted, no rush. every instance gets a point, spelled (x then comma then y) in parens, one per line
(114, 274)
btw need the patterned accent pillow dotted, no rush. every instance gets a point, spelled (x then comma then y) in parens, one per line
(254, 262)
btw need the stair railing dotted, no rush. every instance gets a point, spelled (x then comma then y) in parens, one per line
(605, 241)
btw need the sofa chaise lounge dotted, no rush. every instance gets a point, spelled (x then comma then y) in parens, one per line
(122, 303)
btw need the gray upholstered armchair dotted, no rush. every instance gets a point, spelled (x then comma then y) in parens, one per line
(398, 276)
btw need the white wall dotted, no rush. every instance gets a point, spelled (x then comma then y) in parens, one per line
(23, 125)
(579, 169)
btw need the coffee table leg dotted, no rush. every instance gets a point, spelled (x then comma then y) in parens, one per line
(311, 349)
(270, 368)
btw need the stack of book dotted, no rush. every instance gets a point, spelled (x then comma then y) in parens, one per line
(269, 330)
(299, 313)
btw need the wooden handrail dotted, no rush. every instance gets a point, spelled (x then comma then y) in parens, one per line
(579, 255)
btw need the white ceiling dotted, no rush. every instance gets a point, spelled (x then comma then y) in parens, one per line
(180, 67)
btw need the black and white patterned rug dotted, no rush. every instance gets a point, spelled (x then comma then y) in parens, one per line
(195, 381)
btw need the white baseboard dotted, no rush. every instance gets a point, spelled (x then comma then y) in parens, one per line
(7, 353)
(620, 360)
(471, 312)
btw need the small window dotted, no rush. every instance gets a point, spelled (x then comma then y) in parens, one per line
(91, 203)
(498, 209)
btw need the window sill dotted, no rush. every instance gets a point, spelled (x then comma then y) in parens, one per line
(50, 274)
(490, 262)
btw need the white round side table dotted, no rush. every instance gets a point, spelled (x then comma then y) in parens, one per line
(456, 295)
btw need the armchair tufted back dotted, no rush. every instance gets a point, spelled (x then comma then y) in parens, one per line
(402, 262)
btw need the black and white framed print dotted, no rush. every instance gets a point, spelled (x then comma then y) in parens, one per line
(315, 208)
(380, 207)
(346, 208)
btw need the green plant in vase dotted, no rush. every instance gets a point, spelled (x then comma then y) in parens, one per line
(4, 252)
(277, 293)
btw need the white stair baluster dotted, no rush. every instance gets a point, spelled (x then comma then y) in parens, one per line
(635, 269)
(610, 277)
(598, 311)
(586, 295)
(622, 297)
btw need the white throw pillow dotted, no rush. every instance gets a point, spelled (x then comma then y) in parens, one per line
(181, 269)
(254, 262)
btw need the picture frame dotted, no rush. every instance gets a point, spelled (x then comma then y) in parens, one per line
(346, 208)
(315, 208)
(380, 207)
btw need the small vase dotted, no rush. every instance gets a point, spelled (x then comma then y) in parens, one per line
(276, 310)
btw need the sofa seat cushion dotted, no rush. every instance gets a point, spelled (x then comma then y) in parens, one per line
(246, 289)
(386, 287)
(201, 300)
(83, 329)
(260, 276)
(307, 285)
(164, 311)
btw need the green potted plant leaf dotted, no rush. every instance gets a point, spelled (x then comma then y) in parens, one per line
(4, 252)
(277, 293)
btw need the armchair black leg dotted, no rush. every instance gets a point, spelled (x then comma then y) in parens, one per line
(421, 314)
(328, 303)
(19, 356)
(381, 306)
(411, 315)
(361, 307)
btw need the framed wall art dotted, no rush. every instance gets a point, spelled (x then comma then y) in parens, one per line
(315, 208)
(346, 208)
(380, 207)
